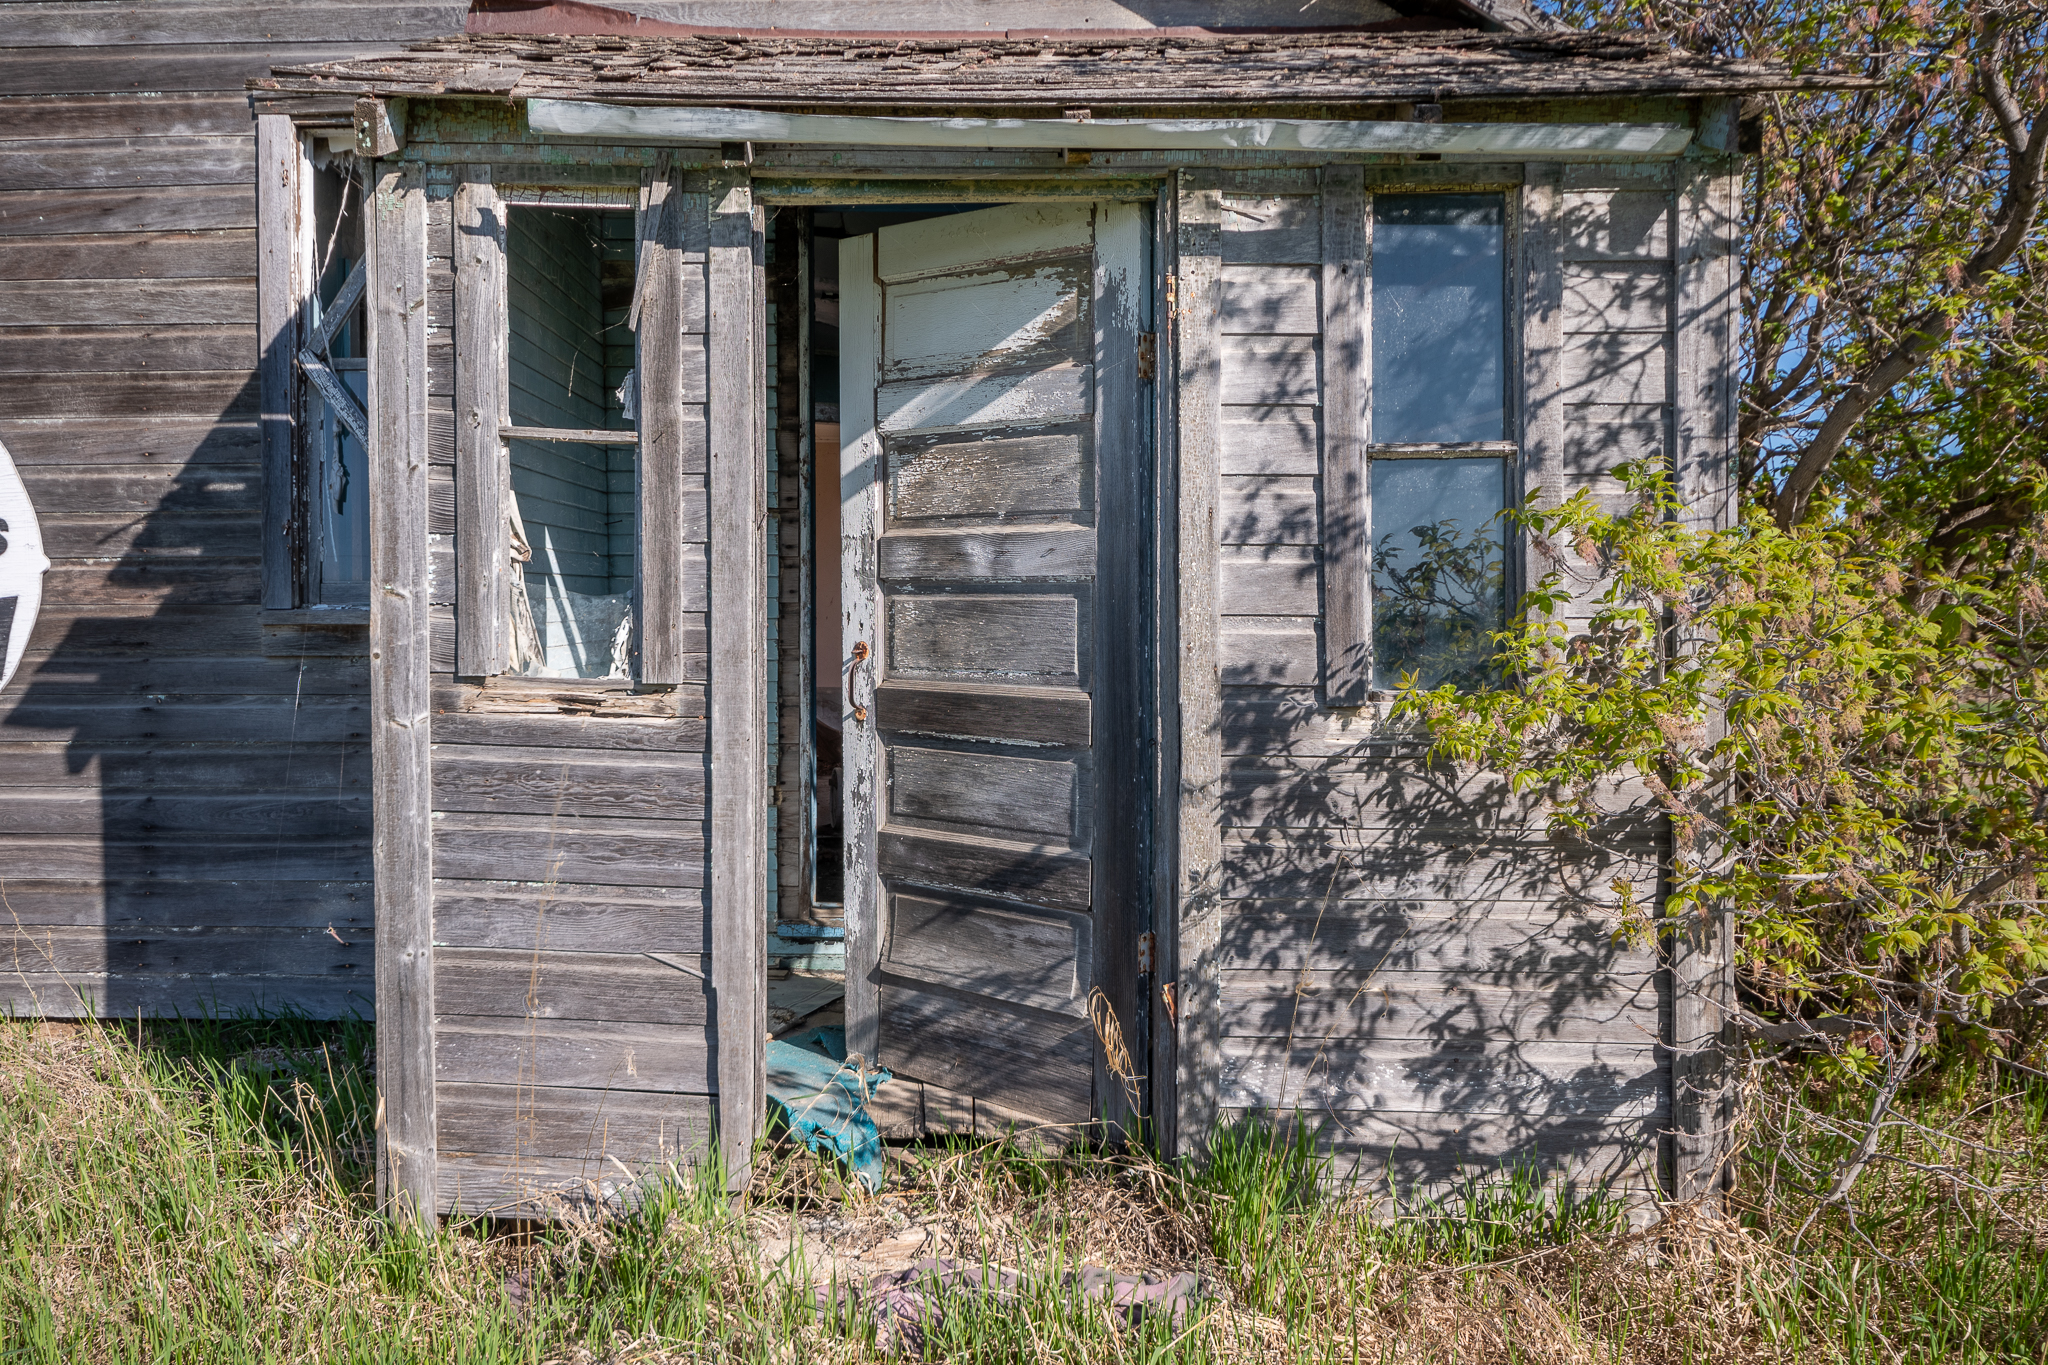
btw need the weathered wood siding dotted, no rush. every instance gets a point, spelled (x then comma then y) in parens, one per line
(184, 808)
(1405, 955)
(571, 933)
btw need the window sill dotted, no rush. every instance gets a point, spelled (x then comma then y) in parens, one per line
(605, 697)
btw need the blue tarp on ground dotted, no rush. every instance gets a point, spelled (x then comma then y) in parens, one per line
(823, 1099)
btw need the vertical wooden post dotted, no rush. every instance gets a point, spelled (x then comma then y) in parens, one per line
(1163, 592)
(482, 474)
(1197, 364)
(1120, 712)
(665, 423)
(1347, 433)
(861, 472)
(402, 845)
(1706, 299)
(739, 675)
(284, 219)
(764, 770)
(1542, 397)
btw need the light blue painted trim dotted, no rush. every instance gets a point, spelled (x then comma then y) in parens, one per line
(1511, 141)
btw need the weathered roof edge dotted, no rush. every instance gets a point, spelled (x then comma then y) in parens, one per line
(1130, 70)
(580, 18)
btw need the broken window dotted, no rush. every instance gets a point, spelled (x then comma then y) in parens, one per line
(1440, 461)
(569, 287)
(335, 475)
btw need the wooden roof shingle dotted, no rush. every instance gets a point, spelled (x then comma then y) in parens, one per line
(1105, 72)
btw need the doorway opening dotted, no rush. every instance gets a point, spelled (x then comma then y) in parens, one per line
(971, 757)
(807, 932)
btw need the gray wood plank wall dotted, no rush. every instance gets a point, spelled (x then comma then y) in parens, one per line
(184, 781)
(571, 933)
(1405, 955)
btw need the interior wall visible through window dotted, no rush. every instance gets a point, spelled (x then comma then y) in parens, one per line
(569, 286)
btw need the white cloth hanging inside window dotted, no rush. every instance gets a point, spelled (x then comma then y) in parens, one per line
(527, 657)
(594, 630)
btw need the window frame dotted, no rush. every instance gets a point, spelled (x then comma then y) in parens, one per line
(294, 366)
(484, 428)
(663, 245)
(1506, 452)
(1348, 448)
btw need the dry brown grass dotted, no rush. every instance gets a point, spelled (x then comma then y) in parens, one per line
(201, 1195)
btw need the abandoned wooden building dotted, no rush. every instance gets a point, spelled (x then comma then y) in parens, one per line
(676, 526)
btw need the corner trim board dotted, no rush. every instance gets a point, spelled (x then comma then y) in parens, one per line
(861, 472)
(1706, 296)
(664, 422)
(401, 694)
(1197, 357)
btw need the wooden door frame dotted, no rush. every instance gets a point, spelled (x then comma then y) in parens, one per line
(859, 562)
(1126, 619)
(736, 416)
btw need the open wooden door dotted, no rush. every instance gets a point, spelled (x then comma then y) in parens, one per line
(993, 459)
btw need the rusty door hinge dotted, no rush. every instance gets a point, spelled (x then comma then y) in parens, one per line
(1148, 944)
(1148, 357)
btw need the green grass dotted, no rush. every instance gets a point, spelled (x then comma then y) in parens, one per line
(202, 1192)
(1918, 1266)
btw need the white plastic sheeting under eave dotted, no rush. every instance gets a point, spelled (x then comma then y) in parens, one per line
(22, 566)
(649, 123)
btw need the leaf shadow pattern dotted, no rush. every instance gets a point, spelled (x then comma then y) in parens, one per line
(1412, 960)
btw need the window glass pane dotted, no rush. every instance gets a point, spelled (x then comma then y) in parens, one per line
(341, 502)
(569, 284)
(1439, 586)
(1437, 319)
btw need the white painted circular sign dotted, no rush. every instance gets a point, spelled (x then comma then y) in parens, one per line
(22, 564)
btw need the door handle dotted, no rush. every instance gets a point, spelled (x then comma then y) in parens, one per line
(860, 656)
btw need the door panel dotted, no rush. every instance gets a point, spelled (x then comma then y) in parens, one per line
(1035, 638)
(1033, 1064)
(1044, 475)
(1037, 874)
(967, 243)
(1019, 715)
(972, 468)
(945, 788)
(986, 401)
(1024, 319)
(1002, 952)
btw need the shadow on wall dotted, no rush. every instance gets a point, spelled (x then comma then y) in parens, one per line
(1409, 958)
(185, 821)
(1412, 961)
